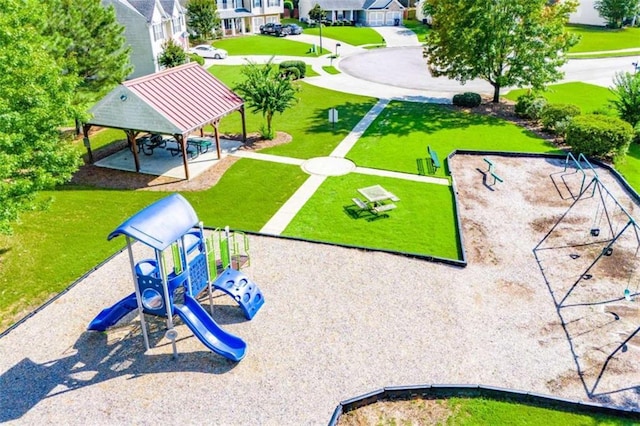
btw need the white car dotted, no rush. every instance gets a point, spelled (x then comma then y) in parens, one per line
(210, 52)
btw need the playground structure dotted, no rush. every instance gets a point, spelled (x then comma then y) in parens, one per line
(589, 260)
(172, 224)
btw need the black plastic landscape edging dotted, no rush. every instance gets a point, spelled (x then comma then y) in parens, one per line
(434, 391)
(426, 257)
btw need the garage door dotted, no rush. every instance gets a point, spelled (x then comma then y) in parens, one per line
(392, 16)
(376, 19)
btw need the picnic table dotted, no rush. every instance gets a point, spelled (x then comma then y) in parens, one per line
(379, 198)
(147, 144)
(201, 144)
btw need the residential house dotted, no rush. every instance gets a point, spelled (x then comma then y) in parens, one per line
(372, 13)
(585, 14)
(148, 25)
(246, 16)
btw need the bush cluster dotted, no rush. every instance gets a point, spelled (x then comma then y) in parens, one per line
(556, 117)
(287, 69)
(530, 106)
(467, 99)
(599, 135)
(196, 58)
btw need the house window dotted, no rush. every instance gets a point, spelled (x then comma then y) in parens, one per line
(176, 23)
(158, 34)
(272, 3)
(224, 4)
(257, 3)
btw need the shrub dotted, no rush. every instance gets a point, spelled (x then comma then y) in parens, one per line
(467, 99)
(196, 58)
(530, 106)
(291, 72)
(300, 65)
(556, 117)
(599, 135)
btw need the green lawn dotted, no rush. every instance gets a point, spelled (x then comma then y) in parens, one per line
(356, 36)
(482, 411)
(52, 248)
(595, 39)
(604, 55)
(307, 121)
(330, 69)
(417, 27)
(265, 45)
(400, 135)
(423, 209)
(587, 96)
(629, 166)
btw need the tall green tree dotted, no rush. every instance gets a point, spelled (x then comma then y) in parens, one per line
(615, 11)
(172, 54)
(505, 42)
(91, 41)
(627, 97)
(202, 17)
(266, 91)
(317, 13)
(36, 94)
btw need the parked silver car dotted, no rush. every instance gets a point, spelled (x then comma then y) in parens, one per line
(210, 52)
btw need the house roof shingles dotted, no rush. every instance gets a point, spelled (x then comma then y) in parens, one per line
(144, 7)
(175, 101)
(341, 4)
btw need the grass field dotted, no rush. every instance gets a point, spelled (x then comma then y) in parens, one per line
(474, 411)
(307, 121)
(423, 210)
(356, 36)
(595, 39)
(588, 97)
(266, 45)
(400, 135)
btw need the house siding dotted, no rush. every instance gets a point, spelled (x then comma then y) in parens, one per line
(140, 34)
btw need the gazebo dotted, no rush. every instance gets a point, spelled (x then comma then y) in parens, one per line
(176, 102)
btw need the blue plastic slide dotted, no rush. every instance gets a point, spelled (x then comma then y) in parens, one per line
(110, 316)
(208, 331)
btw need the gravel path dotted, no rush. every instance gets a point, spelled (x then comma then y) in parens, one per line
(337, 323)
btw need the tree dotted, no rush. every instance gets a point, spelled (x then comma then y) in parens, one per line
(615, 11)
(203, 17)
(90, 40)
(172, 54)
(265, 90)
(505, 42)
(627, 97)
(317, 13)
(36, 94)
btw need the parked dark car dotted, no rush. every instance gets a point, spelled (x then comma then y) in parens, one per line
(273, 29)
(293, 29)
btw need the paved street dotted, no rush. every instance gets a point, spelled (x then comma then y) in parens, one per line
(400, 72)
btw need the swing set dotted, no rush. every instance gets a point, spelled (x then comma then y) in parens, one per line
(610, 223)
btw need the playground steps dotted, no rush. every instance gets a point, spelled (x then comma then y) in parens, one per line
(242, 290)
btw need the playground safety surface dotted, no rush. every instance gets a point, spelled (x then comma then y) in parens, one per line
(340, 322)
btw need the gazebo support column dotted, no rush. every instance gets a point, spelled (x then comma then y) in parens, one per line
(244, 125)
(131, 138)
(87, 142)
(217, 136)
(182, 142)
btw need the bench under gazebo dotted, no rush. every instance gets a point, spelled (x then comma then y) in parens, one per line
(175, 102)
